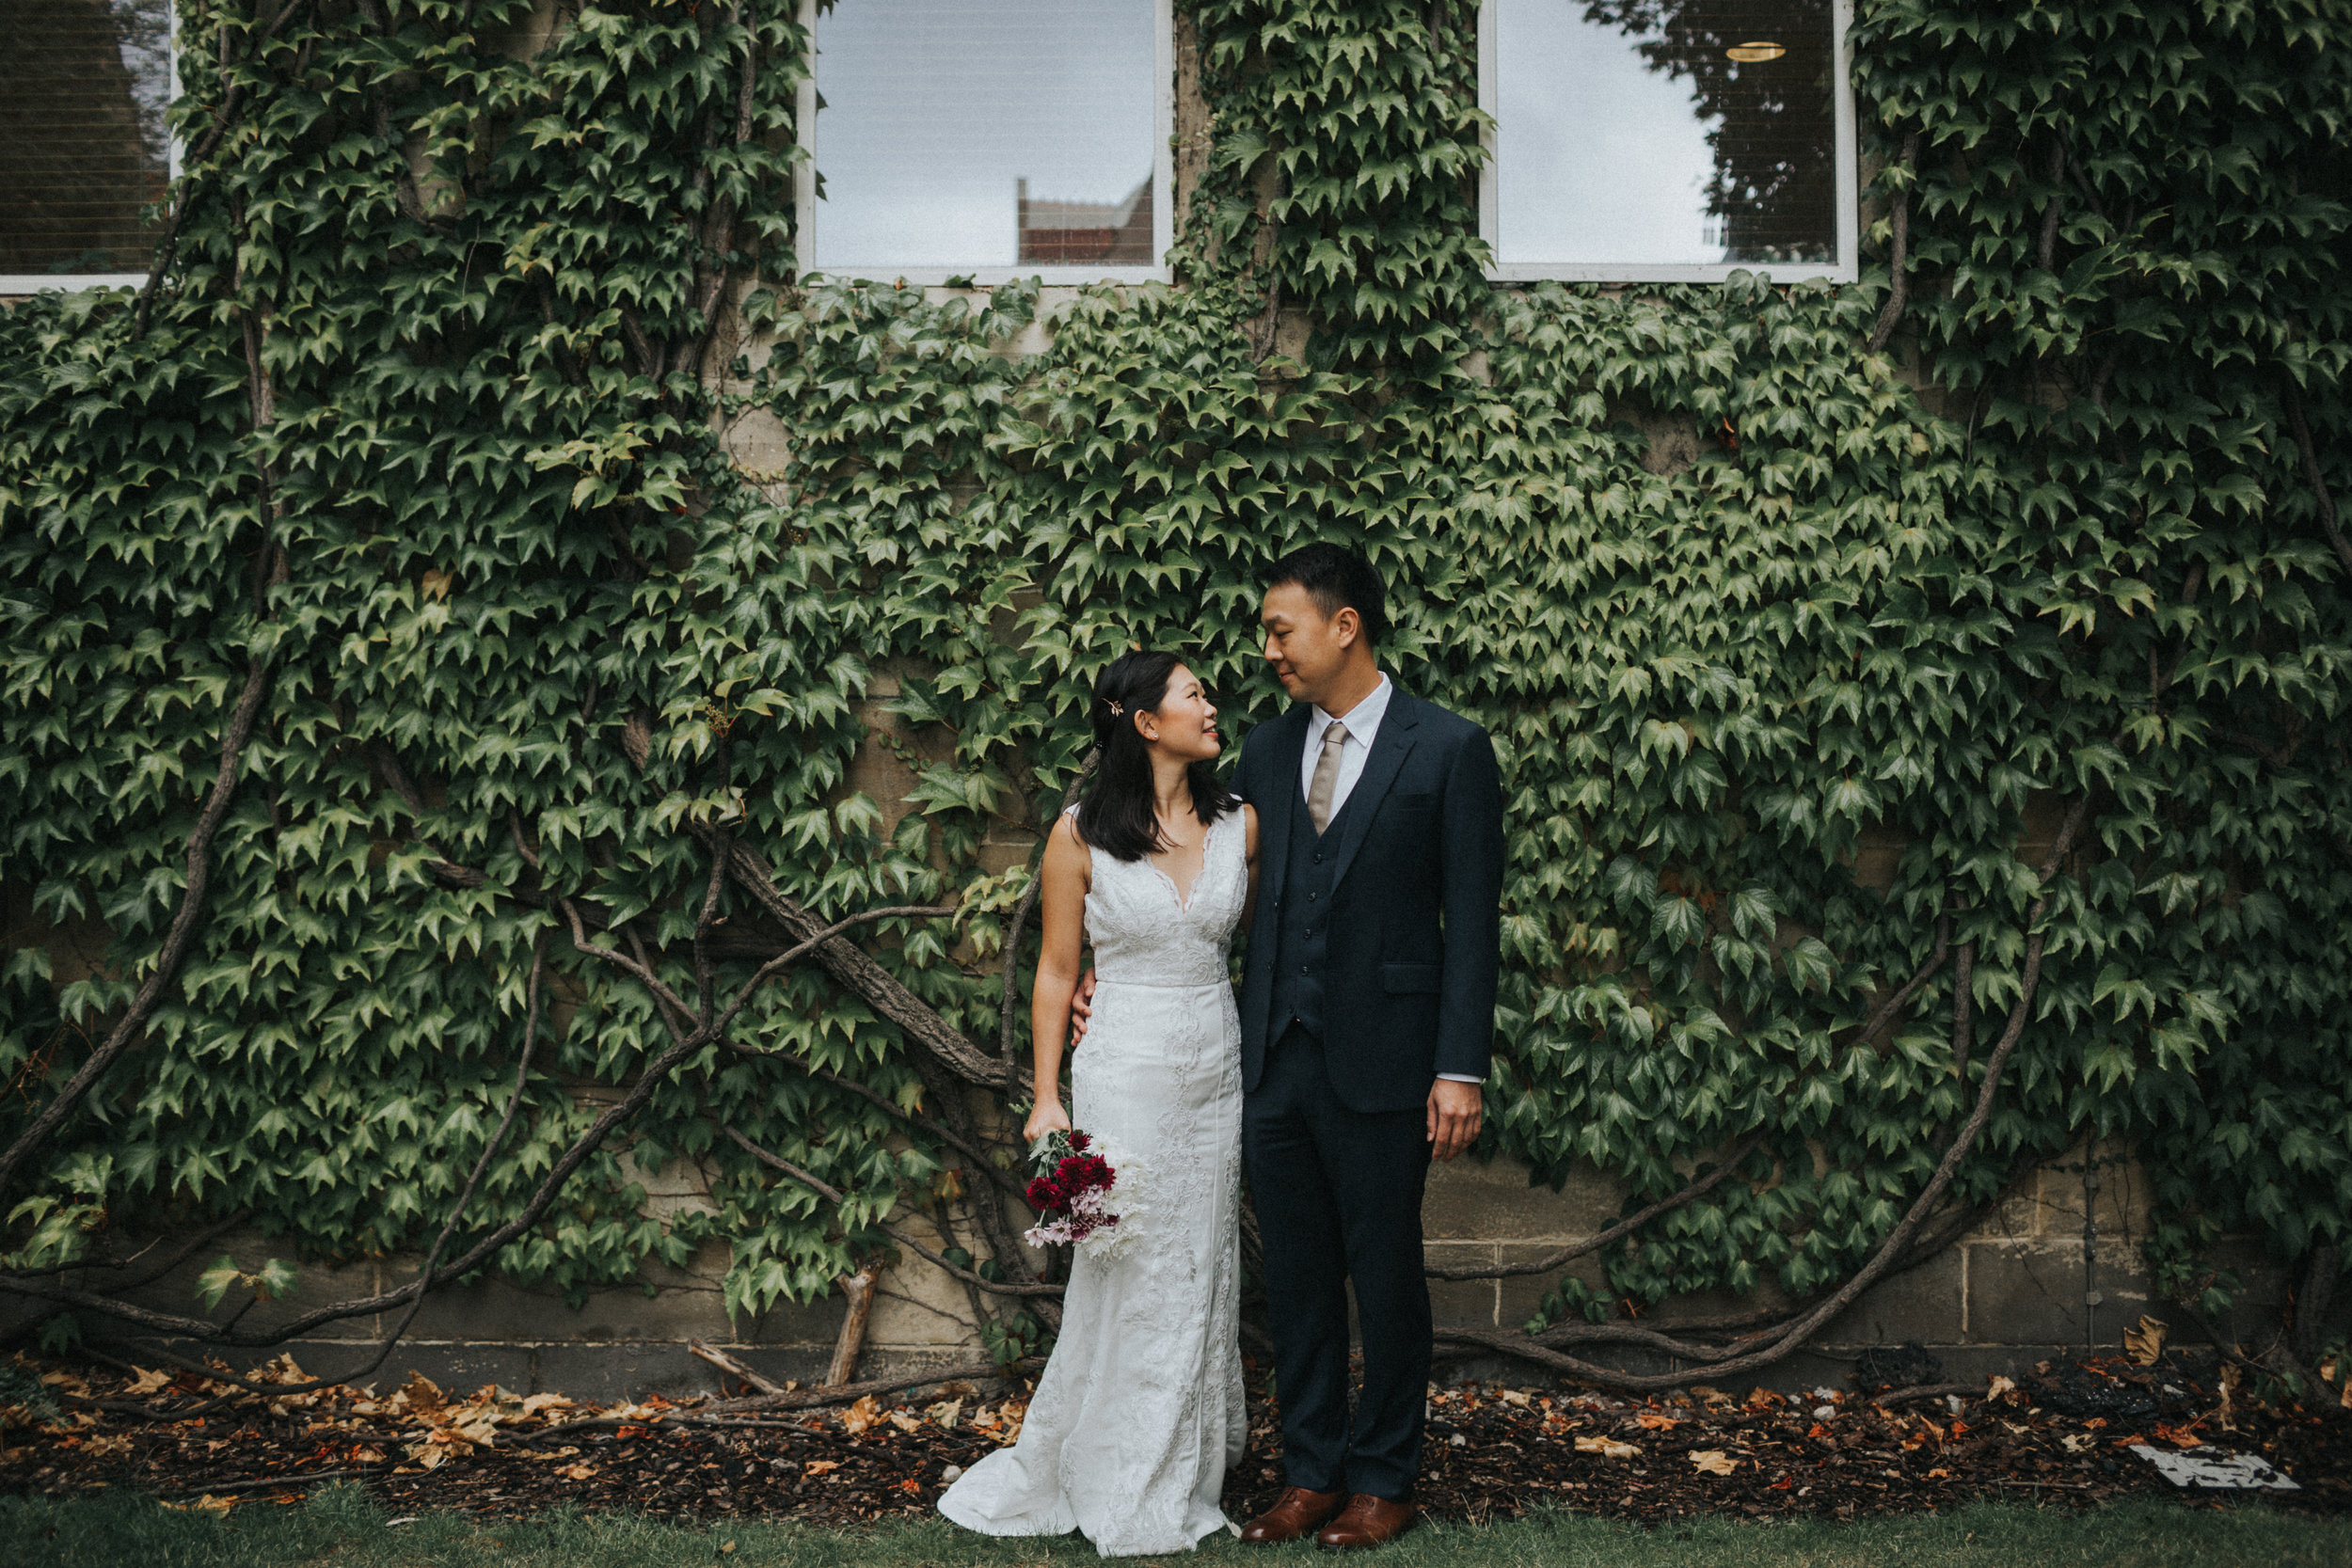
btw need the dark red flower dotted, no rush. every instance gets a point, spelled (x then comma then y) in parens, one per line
(1082, 1171)
(1044, 1193)
(1080, 1142)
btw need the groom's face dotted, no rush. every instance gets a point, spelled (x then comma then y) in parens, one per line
(1307, 649)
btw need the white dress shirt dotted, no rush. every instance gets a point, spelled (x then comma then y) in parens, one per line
(1363, 728)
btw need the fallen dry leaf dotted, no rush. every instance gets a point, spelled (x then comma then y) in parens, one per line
(944, 1413)
(1713, 1461)
(144, 1383)
(2146, 1342)
(651, 1410)
(1656, 1422)
(819, 1467)
(209, 1503)
(863, 1414)
(577, 1471)
(1999, 1387)
(1608, 1448)
(904, 1422)
(419, 1396)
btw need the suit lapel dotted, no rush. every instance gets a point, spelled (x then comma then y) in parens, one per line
(1388, 754)
(1273, 813)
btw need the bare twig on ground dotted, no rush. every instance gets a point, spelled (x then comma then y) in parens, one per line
(729, 1365)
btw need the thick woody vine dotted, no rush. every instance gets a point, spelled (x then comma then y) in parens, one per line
(421, 716)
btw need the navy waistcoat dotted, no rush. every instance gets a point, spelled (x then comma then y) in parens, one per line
(1303, 944)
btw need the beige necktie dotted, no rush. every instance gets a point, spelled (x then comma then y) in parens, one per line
(1326, 779)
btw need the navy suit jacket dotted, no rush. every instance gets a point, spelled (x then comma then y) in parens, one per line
(1415, 935)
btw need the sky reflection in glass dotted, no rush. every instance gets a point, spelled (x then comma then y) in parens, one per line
(936, 110)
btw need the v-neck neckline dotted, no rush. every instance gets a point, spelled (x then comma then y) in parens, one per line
(1183, 897)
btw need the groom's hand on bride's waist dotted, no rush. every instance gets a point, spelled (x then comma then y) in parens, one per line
(1455, 1109)
(1081, 1009)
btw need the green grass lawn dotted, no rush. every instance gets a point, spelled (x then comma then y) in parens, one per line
(341, 1527)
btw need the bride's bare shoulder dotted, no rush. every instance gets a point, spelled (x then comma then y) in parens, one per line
(1249, 821)
(1065, 852)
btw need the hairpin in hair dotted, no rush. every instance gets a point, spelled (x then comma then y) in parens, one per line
(1117, 711)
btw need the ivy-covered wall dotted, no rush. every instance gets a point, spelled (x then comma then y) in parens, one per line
(482, 537)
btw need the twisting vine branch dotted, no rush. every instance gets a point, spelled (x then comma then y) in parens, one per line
(191, 184)
(687, 1036)
(425, 1277)
(2318, 482)
(1898, 257)
(837, 1198)
(1893, 1005)
(1791, 1335)
(1615, 1233)
(176, 939)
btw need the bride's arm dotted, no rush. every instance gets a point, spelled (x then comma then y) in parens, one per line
(1250, 905)
(1063, 897)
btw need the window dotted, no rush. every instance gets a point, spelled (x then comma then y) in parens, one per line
(988, 138)
(84, 85)
(1667, 139)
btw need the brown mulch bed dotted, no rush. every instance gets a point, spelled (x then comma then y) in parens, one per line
(1493, 1451)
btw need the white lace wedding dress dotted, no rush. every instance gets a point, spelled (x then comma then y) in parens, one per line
(1139, 1410)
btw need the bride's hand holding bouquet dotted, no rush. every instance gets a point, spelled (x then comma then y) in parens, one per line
(1047, 1119)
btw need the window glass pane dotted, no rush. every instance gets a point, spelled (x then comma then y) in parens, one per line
(984, 133)
(83, 88)
(1665, 131)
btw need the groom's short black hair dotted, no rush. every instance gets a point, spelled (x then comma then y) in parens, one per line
(1337, 578)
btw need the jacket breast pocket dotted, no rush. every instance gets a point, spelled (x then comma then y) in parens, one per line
(1414, 814)
(1410, 979)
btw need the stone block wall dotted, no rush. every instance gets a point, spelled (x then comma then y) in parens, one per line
(2009, 1292)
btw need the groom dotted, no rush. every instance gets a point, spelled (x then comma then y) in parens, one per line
(1367, 1010)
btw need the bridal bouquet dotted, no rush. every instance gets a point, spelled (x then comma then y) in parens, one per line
(1083, 1191)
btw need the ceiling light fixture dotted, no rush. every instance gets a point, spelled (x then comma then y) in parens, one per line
(1748, 54)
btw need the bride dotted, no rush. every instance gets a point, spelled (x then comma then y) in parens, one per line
(1139, 1410)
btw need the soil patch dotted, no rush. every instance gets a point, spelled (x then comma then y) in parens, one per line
(1494, 1452)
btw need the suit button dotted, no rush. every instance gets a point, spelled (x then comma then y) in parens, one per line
(1302, 970)
(1318, 857)
(1310, 898)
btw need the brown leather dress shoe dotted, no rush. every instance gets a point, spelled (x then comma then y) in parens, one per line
(1369, 1521)
(1299, 1512)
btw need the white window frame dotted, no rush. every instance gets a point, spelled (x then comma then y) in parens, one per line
(1163, 181)
(1845, 269)
(16, 285)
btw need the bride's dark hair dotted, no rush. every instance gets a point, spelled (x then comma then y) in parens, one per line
(1117, 815)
